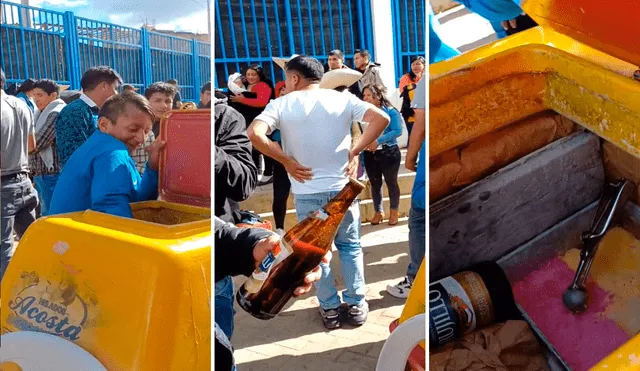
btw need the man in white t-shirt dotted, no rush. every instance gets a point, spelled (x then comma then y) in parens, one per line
(315, 127)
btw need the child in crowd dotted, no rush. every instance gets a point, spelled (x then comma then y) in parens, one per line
(160, 96)
(101, 175)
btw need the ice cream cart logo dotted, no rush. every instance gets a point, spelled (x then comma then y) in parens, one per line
(52, 308)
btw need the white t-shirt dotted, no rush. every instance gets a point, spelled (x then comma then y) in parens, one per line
(315, 129)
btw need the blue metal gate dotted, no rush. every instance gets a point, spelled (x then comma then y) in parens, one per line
(39, 43)
(34, 44)
(254, 31)
(409, 32)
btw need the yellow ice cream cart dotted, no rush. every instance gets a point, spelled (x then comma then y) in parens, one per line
(89, 291)
(524, 135)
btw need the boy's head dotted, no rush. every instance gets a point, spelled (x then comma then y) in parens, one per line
(160, 96)
(45, 91)
(100, 83)
(127, 117)
(302, 71)
(173, 82)
(335, 59)
(205, 93)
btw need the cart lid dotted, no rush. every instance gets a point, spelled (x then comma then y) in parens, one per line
(612, 27)
(185, 165)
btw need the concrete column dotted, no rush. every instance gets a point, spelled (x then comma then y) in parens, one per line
(383, 41)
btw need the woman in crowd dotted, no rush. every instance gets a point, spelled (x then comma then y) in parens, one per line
(407, 85)
(44, 162)
(251, 103)
(382, 157)
(281, 182)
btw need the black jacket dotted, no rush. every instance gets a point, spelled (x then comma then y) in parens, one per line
(236, 175)
(233, 252)
(233, 255)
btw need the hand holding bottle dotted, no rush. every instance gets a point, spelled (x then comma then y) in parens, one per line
(264, 246)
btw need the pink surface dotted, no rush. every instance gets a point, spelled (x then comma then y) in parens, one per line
(581, 340)
(185, 176)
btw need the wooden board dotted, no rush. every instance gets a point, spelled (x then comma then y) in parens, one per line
(503, 211)
(620, 164)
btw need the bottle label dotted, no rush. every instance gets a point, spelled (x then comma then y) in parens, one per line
(260, 275)
(450, 311)
(457, 305)
(320, 214)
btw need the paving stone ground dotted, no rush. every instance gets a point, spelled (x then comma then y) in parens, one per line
(297, 340)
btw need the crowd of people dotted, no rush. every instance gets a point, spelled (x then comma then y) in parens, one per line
(65, 151)
(322, 125)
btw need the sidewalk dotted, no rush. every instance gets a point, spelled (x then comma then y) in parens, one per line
(463, 30)
(297, 340)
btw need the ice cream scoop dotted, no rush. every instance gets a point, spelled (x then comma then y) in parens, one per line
(613, 198)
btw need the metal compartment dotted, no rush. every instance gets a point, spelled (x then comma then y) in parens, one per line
(577, 65)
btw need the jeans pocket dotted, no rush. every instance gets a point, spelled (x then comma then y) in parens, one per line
(307, 205)
(224, 288)
(11, 200)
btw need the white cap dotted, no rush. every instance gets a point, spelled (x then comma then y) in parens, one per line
(340, 77)
(282, 61)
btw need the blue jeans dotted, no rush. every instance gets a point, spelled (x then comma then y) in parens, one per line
(348, 244)
(45, 185)
(223, 304)
(417, 244)
(19, 201)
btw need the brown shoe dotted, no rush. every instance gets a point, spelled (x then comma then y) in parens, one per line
(393, 217)
(377, 218)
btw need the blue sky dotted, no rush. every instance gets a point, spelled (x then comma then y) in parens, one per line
(180, 15)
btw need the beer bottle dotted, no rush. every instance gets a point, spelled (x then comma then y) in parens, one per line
(301, 249)
(469, 300)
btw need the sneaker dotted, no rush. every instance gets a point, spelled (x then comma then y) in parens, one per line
(357, 315)
(280, 232)
(265, 179)
(401, 290)
(330, 318)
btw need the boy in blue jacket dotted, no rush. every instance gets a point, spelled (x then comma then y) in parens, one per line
(101, 175)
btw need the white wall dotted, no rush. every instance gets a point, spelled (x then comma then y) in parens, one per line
(383, 41)
(385, 55)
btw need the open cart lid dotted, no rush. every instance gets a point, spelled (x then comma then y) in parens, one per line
(612, 27)
(185, 165)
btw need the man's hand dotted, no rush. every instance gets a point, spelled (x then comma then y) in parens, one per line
(312, 277)
(263, 247)
(298, 172)
(352, 166)
(155, 150)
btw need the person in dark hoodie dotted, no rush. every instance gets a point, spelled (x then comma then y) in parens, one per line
(238, 252)
(236, 177)
(370, 72)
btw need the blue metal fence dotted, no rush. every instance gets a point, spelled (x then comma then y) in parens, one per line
(39, 43)
(254, 31)
(409, 32)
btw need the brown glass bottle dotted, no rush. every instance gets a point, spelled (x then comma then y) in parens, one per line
(469, 300)
(301, 249)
